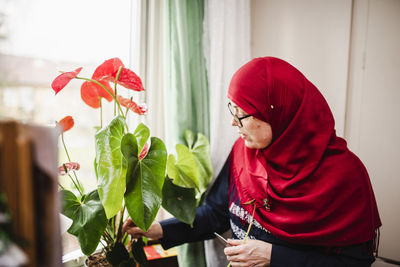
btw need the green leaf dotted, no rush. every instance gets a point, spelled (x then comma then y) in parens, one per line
(201, 152)
(184, 172)
(189, 138)
(179, 201)
(192, 169)
(172, 170)
(89, 220)
(70, 203)
(111, 166)
(145, 179)
(142, 134)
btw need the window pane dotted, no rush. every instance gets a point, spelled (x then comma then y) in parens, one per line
(38, 39)
(66, 30)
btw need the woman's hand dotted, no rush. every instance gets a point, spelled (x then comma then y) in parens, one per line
(252, 253)
(155, 231)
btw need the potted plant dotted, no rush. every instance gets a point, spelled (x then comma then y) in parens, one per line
(133, 175)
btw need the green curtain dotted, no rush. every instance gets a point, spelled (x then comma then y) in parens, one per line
(186, 91)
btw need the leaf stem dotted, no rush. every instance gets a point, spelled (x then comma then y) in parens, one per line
(69, 159)
(72, 179)
(121, 221)
(104, 246)
(101, 114)
(126, 112)
(115, 104)
(124, 237)
(107, 237)
(115, 87)
(65, 148)
(112, 223)
(62, 187)
(109, 92)
(127, 109)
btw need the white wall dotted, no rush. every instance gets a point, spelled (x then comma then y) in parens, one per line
(373, 123)
(351, 51)
(312, 35)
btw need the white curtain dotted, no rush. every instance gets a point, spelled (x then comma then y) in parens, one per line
(150, 60)
(150, 49)
(226, 48)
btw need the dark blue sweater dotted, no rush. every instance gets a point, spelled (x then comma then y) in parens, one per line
(223, 210)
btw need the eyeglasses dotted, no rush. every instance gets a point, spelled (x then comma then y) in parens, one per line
(235, 117)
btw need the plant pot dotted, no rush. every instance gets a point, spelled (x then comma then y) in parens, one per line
(97, 260)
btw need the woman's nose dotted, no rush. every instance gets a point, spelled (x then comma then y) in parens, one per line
(234, 122)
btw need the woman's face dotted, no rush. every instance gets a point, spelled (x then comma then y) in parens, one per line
(256, 133)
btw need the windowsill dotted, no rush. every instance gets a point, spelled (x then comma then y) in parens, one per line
(76, 258)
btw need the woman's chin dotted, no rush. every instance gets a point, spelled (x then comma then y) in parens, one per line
(253, 145)
(250, 144)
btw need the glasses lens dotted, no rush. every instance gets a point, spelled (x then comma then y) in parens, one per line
(236, 118)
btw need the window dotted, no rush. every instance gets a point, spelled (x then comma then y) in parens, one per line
(39, 38)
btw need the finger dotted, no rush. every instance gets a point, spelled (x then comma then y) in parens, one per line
(128, 224)
(235, 242)
(135, 232)
(125, 226)
(137, 235)
(233, 250)
(234, 258)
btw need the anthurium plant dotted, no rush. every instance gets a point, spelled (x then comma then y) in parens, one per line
(131, 170)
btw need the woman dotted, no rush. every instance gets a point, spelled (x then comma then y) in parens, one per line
(289, 184)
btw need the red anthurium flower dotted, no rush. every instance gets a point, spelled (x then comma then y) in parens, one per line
(69, 166)
(144, 151)
(66, 123)
(63, 79)
(128, 103)
(107, 69)
(91, 93)
(108, 72)
(130, 80)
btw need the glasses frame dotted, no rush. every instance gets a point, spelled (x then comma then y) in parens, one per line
(235, 117)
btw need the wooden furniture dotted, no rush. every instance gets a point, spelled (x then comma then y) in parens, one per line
(28, 155)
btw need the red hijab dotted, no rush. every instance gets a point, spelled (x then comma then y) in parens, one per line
(319, 191)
